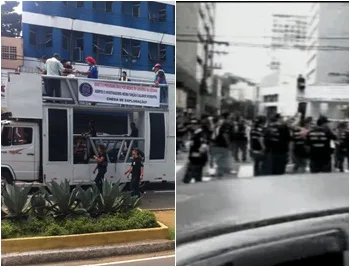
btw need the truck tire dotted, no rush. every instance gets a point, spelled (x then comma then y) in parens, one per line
(7, 176)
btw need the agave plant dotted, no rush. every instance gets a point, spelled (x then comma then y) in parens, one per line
(15, 202)
(88, 199)
(63, 202)
(111, 199)
(129, 202)
(38, 204)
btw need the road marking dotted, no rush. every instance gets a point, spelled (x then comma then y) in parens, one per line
(164, 191)
(138, 260)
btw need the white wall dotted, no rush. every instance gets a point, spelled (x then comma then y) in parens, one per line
(287, 104)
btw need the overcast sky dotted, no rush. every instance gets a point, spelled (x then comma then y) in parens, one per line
(252, 20)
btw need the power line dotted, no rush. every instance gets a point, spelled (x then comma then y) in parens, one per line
(265, 37)
(269, 46)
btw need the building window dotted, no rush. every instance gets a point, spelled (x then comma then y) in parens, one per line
(48, 39)
(131, 48)
(136, 11)
(32, 37)
(157, 52)
(9, 52)
(64, 40)
(131, 8)
(156, 12)
(108, 6)
(94, 4)
(103, 44)
(80, 4)
(270, 98)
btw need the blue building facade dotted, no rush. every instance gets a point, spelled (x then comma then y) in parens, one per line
(128, 35)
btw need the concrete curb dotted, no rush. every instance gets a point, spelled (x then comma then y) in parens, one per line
(165, 209)
(83, 240)
(49, 256)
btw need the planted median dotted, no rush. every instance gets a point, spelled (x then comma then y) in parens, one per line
(58, 217)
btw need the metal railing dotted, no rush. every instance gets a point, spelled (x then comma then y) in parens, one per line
(118, 148)
(69, 91)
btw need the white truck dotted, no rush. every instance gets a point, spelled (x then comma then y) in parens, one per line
(42, 136)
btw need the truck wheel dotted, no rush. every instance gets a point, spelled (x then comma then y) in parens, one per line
(6, 175)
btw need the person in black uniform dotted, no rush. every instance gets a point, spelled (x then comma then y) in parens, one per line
(257, 146)
(198, 156)
(239, 139)
(298, 145)
(319, 142)
(342, 146)
(136, 171)
(277, 140)
(102, 164)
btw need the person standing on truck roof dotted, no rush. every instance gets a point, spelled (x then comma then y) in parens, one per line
(54, 67)
(43, 60)
(42, 71)
(102, 164)
(124, 78)
(92, 73)
(160, 79)
(136, 171)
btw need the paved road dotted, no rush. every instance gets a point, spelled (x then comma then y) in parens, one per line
(156, 261)
(241, 200)
(161, 258)
(162, 199)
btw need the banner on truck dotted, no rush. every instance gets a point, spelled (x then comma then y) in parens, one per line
(118, 93)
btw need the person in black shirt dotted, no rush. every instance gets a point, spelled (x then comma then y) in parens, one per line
(298, 145)
(101, 167)
(221, 145)
(277, 139)
(257, 146)
(239, 139)
(136, 171)
(342, 147)
(198, 156)
(319, 142)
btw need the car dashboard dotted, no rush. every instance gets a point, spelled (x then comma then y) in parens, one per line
(316, 241)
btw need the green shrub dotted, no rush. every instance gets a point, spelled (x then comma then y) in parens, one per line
(80, 225)
(55, 229)
(50, 226)
(172, 233)
(8, 229)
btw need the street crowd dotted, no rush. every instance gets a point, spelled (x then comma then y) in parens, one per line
(314, 145)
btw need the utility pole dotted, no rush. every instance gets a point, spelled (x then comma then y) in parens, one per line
(203, 88)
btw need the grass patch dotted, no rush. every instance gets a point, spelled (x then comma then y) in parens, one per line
(172, 233)
(33, 227)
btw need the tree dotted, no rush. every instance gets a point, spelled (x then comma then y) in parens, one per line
(11, 22)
